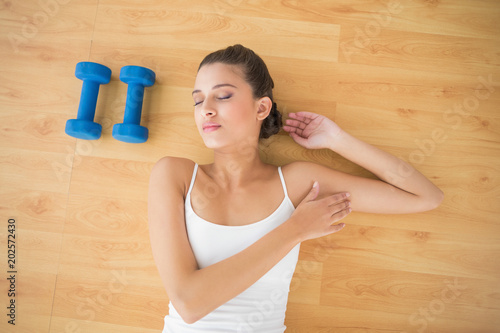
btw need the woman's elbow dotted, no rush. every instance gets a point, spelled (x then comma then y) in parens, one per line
(439, 198)
(189, 318)
(434, 200)
(188, 309)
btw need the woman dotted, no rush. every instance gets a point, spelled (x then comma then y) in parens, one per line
(226, 236)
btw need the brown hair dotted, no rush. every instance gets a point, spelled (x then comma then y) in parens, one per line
(256, 75)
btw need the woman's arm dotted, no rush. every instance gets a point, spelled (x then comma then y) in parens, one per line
(196, 292)
(401, 188)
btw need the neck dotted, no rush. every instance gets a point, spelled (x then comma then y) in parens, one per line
(234, 169)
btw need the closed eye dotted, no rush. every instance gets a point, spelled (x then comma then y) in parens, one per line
(219, 98)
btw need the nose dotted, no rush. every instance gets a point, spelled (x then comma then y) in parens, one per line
(207, 110)
(208, 113)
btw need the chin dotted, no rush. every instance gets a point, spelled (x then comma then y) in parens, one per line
(212, 143)
(239, 142)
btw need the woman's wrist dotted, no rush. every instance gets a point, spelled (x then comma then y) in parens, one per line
(338, 141)
(291, 231)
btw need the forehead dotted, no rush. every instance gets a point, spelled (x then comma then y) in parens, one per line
(217, 73)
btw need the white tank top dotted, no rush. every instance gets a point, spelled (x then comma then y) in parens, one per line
(261, 308)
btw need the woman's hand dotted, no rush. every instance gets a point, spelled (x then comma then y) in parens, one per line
(315, 218)
(311, 130)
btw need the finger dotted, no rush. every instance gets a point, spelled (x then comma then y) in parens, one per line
(336, 228)
(291, 129)
(300, 119)
(313, 193)
(299, 139)
(309, 116)
(337, 198)
(303, 114)
(295, 123)
(340, 214)
(340, 206)
(296, 133)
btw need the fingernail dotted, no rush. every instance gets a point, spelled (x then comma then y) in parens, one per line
(315, 184)
(347, 195)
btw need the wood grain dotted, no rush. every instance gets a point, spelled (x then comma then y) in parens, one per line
(418, 78)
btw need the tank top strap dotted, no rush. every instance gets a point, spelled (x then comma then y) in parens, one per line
(193, 178)
(283, 182)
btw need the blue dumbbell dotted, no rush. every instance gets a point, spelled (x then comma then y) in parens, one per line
(93, 75)
(130, 130)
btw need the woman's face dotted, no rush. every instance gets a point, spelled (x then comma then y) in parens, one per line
(225, 111)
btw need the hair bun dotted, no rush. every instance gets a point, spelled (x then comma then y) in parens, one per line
(274, 108)
(272, 124)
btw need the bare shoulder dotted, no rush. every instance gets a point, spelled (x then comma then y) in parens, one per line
(172, 171)
(299, 178)
(301, 175)
(299, 166)
(169, 163)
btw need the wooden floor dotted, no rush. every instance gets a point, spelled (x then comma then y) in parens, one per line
(420, 79)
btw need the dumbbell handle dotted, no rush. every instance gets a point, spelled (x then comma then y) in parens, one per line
(133, 106)
(88, 100)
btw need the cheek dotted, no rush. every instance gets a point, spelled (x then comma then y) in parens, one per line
(243, 112)
(196, 118)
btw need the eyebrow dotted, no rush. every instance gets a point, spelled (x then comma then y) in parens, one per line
(215, 87)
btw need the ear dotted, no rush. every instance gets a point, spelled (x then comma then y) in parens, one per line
(265, 105)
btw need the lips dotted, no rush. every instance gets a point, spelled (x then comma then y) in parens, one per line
(210, 127)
